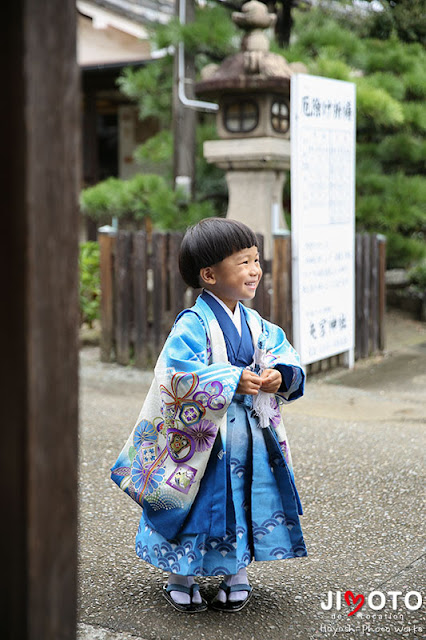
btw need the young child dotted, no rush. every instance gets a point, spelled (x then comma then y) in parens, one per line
(208, 458)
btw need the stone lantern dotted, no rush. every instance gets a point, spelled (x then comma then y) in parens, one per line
(252, 88)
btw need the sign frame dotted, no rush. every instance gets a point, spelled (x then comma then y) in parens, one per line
(323, 137)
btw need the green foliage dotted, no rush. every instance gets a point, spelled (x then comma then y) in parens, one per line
(157, 149)
(210, 183)
(138, 197)
(415, 115)
(417, 277)
(142, 85)
(403, 252)
(389, 55)
(141, 197)
(211, 32)
(389, 70)
(331, 67)
(104, 200)
(392, 84)
(90, 283)
(415, 80)
(405, 18)
(375, 107)
(405, 150)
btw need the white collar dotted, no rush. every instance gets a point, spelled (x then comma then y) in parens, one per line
(235, 316)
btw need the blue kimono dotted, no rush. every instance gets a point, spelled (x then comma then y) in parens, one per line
(217, 490)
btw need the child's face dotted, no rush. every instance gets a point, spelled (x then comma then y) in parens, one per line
(234, 278)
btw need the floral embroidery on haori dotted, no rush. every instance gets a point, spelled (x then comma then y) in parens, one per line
(203, 434)
(145, 431)
(144, 479)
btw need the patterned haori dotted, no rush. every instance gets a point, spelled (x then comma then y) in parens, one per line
(217, 490)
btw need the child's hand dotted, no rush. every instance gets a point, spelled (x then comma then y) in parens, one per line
(249, 383)
(271, 380)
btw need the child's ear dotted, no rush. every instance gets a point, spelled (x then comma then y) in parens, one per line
(207, 275)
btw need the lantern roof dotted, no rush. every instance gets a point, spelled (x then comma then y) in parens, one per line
(254, 68)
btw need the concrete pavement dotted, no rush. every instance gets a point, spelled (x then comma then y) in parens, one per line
(358, 442)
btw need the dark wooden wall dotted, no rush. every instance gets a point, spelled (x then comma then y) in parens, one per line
(39, 318)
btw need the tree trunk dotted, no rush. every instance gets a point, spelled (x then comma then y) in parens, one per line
(284, 22)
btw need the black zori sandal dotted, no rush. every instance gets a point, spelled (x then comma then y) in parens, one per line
(192, 607)
(232, 606)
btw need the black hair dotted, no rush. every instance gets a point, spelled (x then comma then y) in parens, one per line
(209, 242)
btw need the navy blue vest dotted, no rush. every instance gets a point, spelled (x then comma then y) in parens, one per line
(239, 348)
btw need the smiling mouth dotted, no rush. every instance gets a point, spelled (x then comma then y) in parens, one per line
(251, 284)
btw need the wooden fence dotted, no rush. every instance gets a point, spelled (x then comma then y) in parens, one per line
(142, 293)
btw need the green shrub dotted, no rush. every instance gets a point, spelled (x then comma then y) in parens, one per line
(417, 277)
(404, 151)
(415, 115)
(141, 197)
(375, 107)
(394, 85)
(90, 283)
(403, 252)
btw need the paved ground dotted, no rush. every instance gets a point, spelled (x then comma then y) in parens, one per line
(358, 442)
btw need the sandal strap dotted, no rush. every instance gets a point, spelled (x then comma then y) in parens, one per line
(235, 587)
(183, 588)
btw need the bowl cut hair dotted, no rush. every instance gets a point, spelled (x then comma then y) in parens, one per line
(209, 242)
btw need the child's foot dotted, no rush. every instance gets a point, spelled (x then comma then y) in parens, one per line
(183, 594)
(234, 592)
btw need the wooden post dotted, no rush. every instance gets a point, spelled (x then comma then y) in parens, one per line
(176, 283)
(159, 261)
(107, 247)
(374, 299)
(140, 296)
(282, 314)
(382, 290)
(358, 295)
(123, 288)
(259, 299)
(366, 293)
(39, 320)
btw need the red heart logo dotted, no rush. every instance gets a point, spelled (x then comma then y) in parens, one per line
(351, 599)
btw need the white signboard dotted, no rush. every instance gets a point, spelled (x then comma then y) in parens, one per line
(323, 216)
